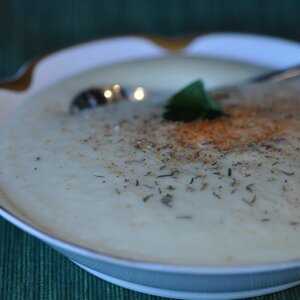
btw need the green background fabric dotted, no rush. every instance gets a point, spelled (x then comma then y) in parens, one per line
(32, 27)
(29, 269)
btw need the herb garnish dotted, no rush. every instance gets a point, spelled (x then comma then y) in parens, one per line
(229, 172)
(167, 200)
(145, 199)
(250, 202)
(187, 217)
(288, 173)
(191, 103)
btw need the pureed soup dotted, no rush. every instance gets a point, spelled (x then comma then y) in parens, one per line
(121, 180)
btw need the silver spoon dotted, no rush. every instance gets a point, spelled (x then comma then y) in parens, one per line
(96, 96)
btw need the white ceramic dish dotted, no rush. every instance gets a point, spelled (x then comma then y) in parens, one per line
(159, 279)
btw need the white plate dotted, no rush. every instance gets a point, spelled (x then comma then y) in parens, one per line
(158, 279)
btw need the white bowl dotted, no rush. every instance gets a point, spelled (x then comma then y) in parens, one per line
(232, 54)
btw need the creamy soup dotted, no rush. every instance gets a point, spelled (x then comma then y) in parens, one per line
(121, 180)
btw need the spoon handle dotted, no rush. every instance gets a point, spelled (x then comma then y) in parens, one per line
(278, 75)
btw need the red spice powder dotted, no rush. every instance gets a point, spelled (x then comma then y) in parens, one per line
(246, 124)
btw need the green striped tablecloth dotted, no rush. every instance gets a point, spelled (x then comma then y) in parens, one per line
(31, 270)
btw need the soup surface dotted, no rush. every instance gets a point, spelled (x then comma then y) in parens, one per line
(121, 180)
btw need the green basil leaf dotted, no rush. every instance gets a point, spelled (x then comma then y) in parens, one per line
(191, 103)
